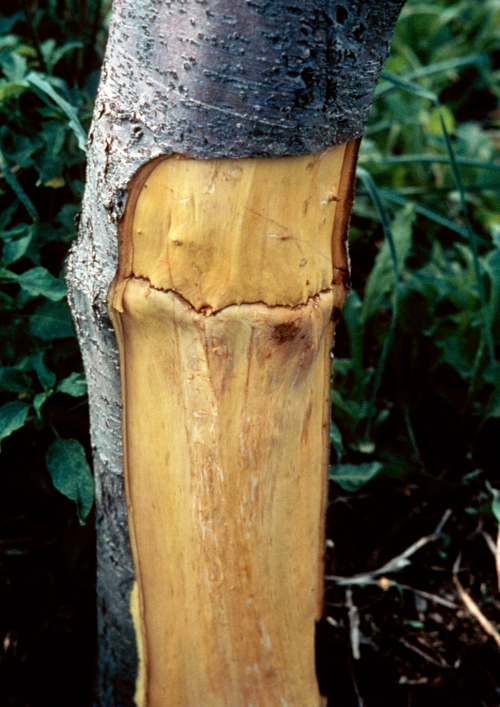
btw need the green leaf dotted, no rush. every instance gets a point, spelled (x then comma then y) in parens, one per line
(38, 281)
(351, 477)
(491, 264)
(493, 406)
(14, 250)
(467, 478)
(17, 188)
(349, 407)
(12, 418)
(52, 320)
(74, 123)
(434, 125)
(437, 67)
(366, 446)
(53, 55)
(352, 313)
(412, 159)
(408, 86)
(336, 440)
(459, 352)
(39, 400)
(414, 624)
(6, 302)
(74, 385)
(6, 215)
(495, 501)
(70, 473)
(12, 380)
(391, 195)
(382, 277)
(14, 67)
(495, 237)
(46, 377)
(7, 23)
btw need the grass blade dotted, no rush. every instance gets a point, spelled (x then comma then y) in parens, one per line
(432, 215)
(437, 68)
(68, 110)
(372, 189)
(17, 188)
(437, 159)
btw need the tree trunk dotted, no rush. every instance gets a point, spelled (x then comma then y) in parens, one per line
(227, 279)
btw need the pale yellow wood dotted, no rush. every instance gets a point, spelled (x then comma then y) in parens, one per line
(222, 232)
(226, 426)
(225, 456)
(135, 610)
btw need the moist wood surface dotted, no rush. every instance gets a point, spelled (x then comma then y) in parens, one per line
(225, 340)
(205, 79)
(222, 232)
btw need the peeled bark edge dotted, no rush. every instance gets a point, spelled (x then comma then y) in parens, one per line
(265, 78)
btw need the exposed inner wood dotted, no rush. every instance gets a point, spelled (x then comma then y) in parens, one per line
(222, 232)
(225, 362)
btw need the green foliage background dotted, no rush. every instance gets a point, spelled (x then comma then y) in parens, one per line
(50, 54)
(417, 390)
(416, 381)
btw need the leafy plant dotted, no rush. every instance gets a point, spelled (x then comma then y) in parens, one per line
(417, 390)
(49, 62)
(416, 382)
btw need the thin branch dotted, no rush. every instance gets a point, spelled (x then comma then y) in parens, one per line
(354, 681)
(385, 583)
(396, 564)
(495, 549)
(473, 608)
(427, 595)
(422, 654)
(353, 614)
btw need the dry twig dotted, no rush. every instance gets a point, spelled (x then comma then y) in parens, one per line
(472, 607)
(495, 549)
(353, 614)
(396, 564)
(423, 654)
(427, 595)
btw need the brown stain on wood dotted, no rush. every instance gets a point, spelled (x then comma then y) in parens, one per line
(225, 414)
(287, 331)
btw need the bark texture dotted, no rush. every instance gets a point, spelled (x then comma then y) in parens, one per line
(205, 78)
(226, 78)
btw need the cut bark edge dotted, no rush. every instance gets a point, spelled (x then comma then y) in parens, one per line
(337, 237)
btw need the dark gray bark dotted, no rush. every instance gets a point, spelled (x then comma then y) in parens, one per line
(244, 78)
(206, 78)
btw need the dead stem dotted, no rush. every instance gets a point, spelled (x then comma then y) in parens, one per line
(472, 607)
(353, 614)
(396, 564)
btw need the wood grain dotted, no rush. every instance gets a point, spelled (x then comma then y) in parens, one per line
(226, 403)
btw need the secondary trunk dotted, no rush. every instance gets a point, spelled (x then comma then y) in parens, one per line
(223, 297)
